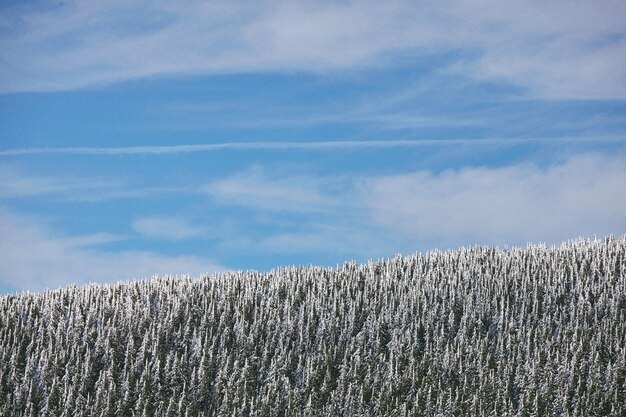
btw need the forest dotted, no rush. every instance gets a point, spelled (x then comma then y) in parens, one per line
(473, 331)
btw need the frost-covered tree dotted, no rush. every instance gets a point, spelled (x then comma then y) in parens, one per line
(476, 331)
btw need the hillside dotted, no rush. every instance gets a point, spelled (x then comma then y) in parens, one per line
(478, 331)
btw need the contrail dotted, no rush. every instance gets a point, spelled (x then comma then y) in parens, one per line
(307, 145)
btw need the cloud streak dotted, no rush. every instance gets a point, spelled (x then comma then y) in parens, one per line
(304, 145)
(16, 183)
(556, 51)
(167, 228)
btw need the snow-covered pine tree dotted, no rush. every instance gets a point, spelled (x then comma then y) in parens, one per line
(473, 331)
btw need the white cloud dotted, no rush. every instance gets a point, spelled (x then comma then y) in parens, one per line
(509, 205)
(168, 228)
(558, 50)
(382, 215)
(33, 258)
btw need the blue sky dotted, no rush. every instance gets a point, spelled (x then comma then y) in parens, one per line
(143, 138)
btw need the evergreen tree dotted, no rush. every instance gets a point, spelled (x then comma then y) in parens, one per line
(476, 331)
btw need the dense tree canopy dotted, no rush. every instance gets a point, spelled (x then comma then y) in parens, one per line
(480, 331)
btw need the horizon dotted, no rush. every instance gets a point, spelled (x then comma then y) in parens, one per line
(155, 139)
(338, 266)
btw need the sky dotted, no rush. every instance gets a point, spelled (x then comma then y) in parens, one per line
(185, 138)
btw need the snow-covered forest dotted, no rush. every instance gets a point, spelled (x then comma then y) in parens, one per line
(478, 331)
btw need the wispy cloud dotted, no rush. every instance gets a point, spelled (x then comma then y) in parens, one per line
(306, 145)
(556, 51)
(34, 257)
(257, 189)
(16, 182)
(342, 240)
(168, 228)
(293, 212)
